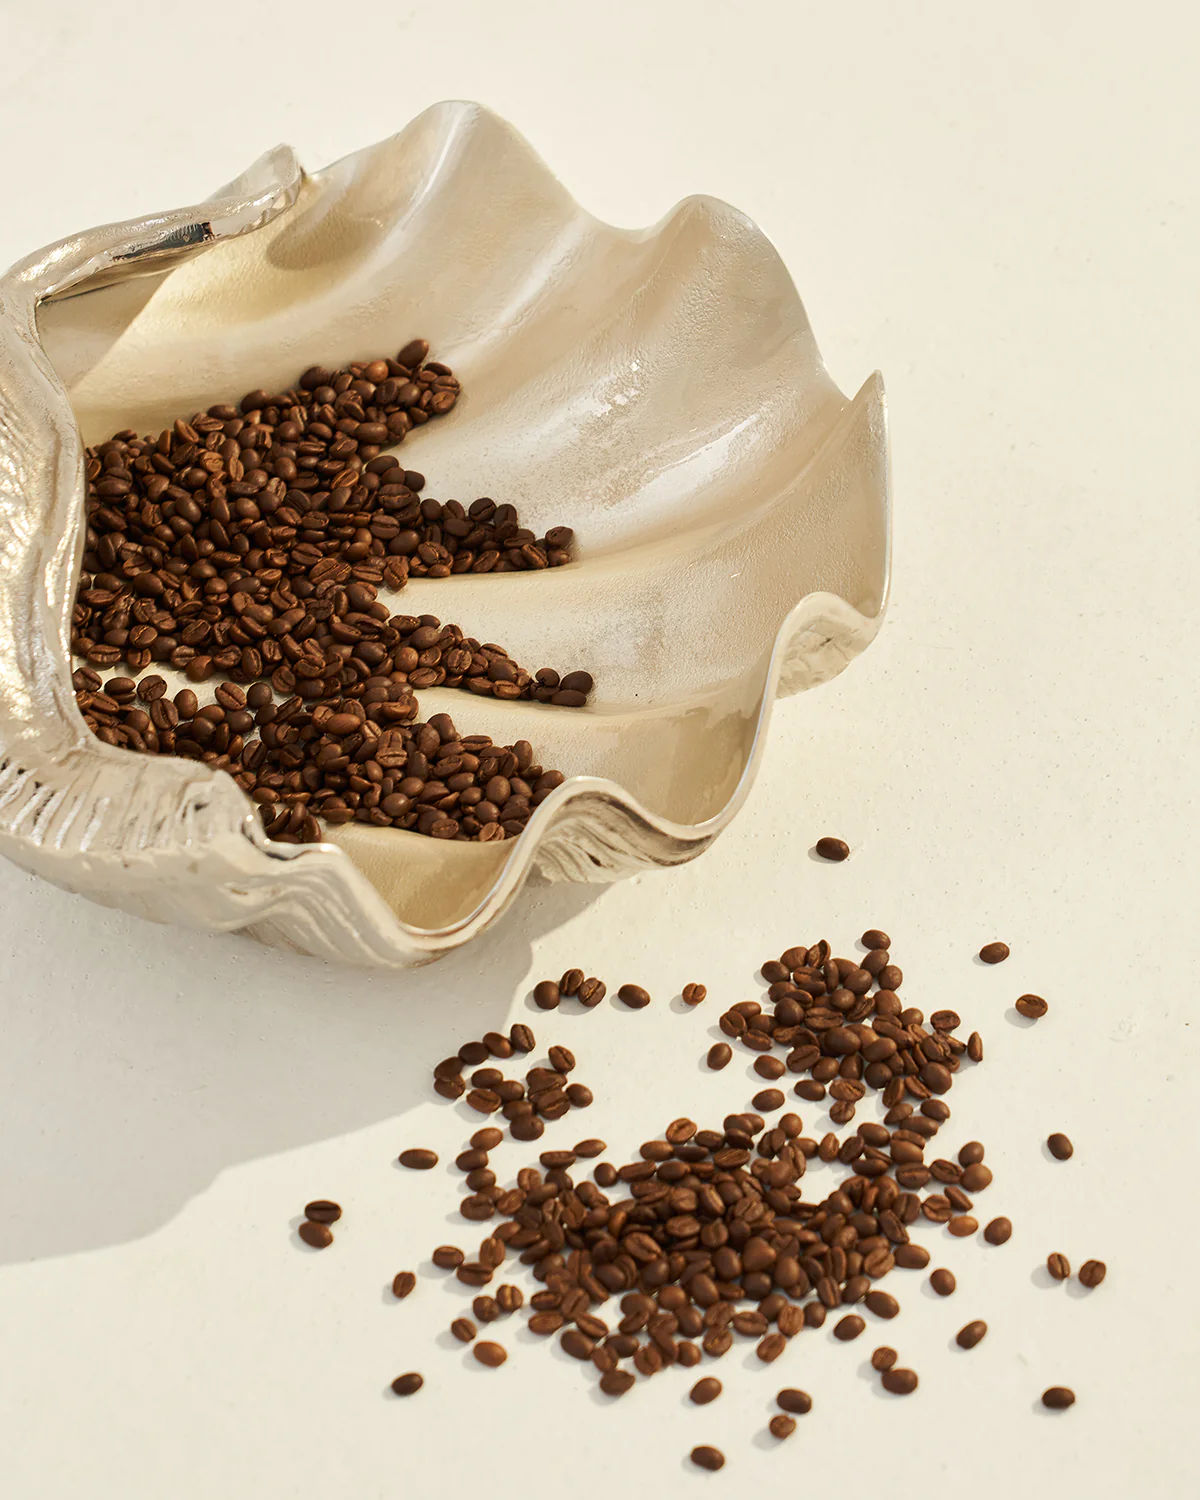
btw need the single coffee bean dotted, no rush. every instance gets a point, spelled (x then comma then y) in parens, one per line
(705, 1457)
(945, 1020)
(633, 996)
(882, 1304)
(447, 1257)
(570, 982)
(975, 1047)
(317, 1236)
(1058, 1266)
(1059, 1146)
(403, 1283)
(970, 1154)
(781, 1426)
(616, 1382)
(1058, 1397)
(942, 1281)
(463, 1330)
(1032, 1007)
(579, 1096)
(546, 994)
(768, 1099)
(418, 1158)
(489, 1354)
(899, 1382)
(911, 1257)
(848, 1328)
(562, 1059)
(771, 1347)
(962, 1225)
(705, 1390)
(998, 1231)
(408, 1385)
(834, 849)
(593, 1146)
(509, 1298)
(883, 1358)
(718, 1055)
(994, 953)
(693, 994)
(873, 938)
(768, 1067)
(591, 992)
(323, 1211)
(975, 1177)
(970, 1333)
(521, 1038)
(1092, 1272)
(486, 1138)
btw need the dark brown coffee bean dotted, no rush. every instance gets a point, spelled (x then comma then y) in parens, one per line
(633, 996)
(705, 1390)
(718, 1055)
(942, 1281)
(899, 1382)
(484, 1101)
(323, 1211)
(1059, 1146)
(1032, 1007)
(447, 1257)
(489, 1354)
(545, 1323)
(418, 1158)
(975, 1047)
(693, 994)
(994, 953)
(562, 1059)
(705, 1457)
(883, 1358)
(579, 1096)
(546, 994)
(971, 1154)
(945, 1020)
(1092, 1272)
(471, 1054)
(771, 1347)
(486, 1138)
(781, 1426)
(882, 1304)
(970, 1333)
(1058, 1266)
(521, 1038)
(768, 1099)
(408, 1385)
(616, 1382)
(975, 1177)
(317, 1236)
(998, 1231)
(791, 1400)
(591, 992)
(570, 982)
(848, 1327)
(509, 1298)
(463, 1330)
(962, 1225)
(593, 1146)
(873, 938)
(1058, 1397)
(834, 849)
(768, 1067)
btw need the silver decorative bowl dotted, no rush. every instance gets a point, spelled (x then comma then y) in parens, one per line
(658, 389)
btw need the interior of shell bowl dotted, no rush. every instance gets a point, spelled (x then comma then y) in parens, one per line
(657, 390)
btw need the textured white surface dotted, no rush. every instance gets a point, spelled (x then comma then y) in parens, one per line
(1002, 214)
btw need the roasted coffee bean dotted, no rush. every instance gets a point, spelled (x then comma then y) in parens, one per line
(899, 1382)
(768, 1099)
(317, 1236)
(781, 1426)
(403, 1283)
(489, 1354)
(562, 1059)
(546, 994)
(912, 1257)
(463, 1330)
(975, 1047)
(883, 1358)
(1032, 1007)
(591, 992)
(998, 1231)
(1058, 1397)
(447, 1257)
(771, 1347)
(509, 1298)
(408, 1385)
(791, 1400)
(693, 994)
(975, 1177)
(971, 1154)
(768, 1067)
(1058, 1266)
(1059, 1146)
(962, 1225)
(570, 982)
(521, 1038)
(486, 1309)
(579, 1096)
(323, 1211)
(486, 1138)
(848, 1327)
(705, 1457)
(719, 1054)
(942, 1281)
(1092, 1272)
(590, 1147)
(834, 849)
(970, 1334)
(633, 996)
(705, 1390)
(994, 953)
(616, 1382)
(418, 1158)
(882, 1304)
(945, 1020)
(873, 938)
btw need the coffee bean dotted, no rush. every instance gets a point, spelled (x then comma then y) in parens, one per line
(591, 992)
(693, 994)
(447, 1257)
(975, 1047)
(873, 938)
(791, 1400)
(1058, 1266)
(1058, 1397)
(323, 1211)
(705, 1457)
(970, 1334)
(562, 1059)
(998, 1231)
(486, 1138)
(463, 1330)
(718, 1055)
(945, 1020)
(970, 1154)
(768, 1067)
(848, 1327)
(962, 1225)
(570, 982)
(616, 1382)
(579, 1096)
(912, 1257)
(705, 1390)
(942, 1281)
(1059, 1146)
(489, 1354)
(882, 1304)
(315, 1235)
(771, 1347)
(403, 1283)
(408, 1385)
(1032, 1007)
(781, 1426)
(883, 1358)
(834, 849)
(546, 994)
(994, 953)
(899, 1382)
(633, 996)
(1092, 1272)
(509, 1298)
(768, 1099)
(975, 1177)
(418, 1158)
(521, 1038)
(591, 1147)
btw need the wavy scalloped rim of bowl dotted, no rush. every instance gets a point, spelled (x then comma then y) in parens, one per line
(173, 841)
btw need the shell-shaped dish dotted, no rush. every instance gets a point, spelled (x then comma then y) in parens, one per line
(659, 390)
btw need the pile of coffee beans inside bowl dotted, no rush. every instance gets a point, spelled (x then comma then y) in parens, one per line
(250, 544)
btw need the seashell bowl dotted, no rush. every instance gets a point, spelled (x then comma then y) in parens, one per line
(658, 389)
